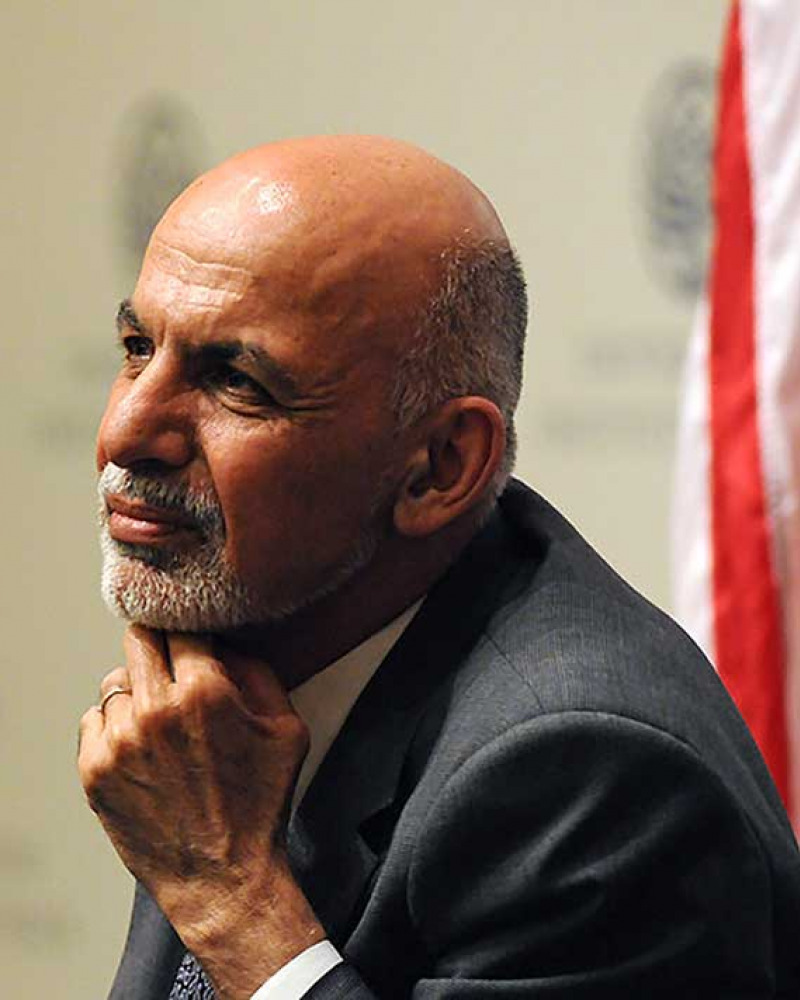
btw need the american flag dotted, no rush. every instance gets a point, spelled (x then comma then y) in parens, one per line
(736, 518)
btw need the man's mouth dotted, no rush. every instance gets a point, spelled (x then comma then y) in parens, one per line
(137, 523)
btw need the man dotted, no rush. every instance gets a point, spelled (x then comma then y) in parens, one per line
(522, 780)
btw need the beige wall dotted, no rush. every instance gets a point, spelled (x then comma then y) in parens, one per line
(543, 102)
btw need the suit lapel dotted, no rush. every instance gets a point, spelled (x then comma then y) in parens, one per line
(347, 816)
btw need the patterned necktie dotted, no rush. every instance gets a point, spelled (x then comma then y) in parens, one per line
(191, 983)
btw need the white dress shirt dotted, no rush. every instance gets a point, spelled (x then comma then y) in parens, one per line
(323, 702)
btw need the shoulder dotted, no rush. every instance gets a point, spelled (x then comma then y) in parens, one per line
(581, 638)
(610, 841)
(570, 648)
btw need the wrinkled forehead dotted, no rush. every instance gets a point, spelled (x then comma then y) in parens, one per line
(323, 331)
(189, 294)
(305, 251)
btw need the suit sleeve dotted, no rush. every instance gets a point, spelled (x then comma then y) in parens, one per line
(585, 856)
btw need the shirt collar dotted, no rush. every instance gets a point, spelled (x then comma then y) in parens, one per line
(324, 701)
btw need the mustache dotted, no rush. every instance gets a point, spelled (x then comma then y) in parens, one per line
(201, 507)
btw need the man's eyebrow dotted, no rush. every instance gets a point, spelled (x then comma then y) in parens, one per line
(237, 350)
(222, 350)
(127, 318)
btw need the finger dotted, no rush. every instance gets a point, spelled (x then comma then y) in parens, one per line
(116, 678)
(117, 715)
(148, 665)
(92, 745)
(92, 754)
(109, 705)
(262, 691)
(193, 657)
(90, 731)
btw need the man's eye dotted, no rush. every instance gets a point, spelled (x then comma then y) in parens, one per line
(137, 352)
(240, 387)
(137, 347)
(234, 379)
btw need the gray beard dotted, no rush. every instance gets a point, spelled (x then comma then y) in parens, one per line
(195, 590)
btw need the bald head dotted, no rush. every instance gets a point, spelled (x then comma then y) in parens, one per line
(362, 218)
(393, 198)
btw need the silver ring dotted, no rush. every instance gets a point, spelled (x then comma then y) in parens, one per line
(117, 689)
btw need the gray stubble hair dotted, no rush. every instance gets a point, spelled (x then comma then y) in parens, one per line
(469, 340)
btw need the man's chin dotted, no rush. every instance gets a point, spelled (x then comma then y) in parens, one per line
(174, 597)
(171, 614)
(200, 592)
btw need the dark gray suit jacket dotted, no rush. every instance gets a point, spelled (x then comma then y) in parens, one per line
(543, 792)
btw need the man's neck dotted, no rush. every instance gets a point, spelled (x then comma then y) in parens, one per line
(307, 641)
(310, 639)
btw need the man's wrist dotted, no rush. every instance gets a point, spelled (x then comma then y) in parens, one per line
(245, 941)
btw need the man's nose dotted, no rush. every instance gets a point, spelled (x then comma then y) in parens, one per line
(147, 419)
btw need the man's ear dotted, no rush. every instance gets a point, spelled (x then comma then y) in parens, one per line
(453, 469)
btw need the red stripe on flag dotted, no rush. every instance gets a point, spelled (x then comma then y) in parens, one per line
(747, 613)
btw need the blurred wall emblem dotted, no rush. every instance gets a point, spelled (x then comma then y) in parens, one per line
(160, 150)
(676, 176)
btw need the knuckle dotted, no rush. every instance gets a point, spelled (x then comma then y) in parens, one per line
(94, 773)
(202, 692)
(193, 690)
(88, 731)
(157, 720)
(88, 717)
(125, 746)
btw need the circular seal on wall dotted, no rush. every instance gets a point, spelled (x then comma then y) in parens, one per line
(676, 176)
(160, 151)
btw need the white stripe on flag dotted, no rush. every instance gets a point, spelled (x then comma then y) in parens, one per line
(691, 525)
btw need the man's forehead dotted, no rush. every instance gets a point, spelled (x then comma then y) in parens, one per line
(200, 284)
(324, 292)
(194, 298)
(200, 265)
